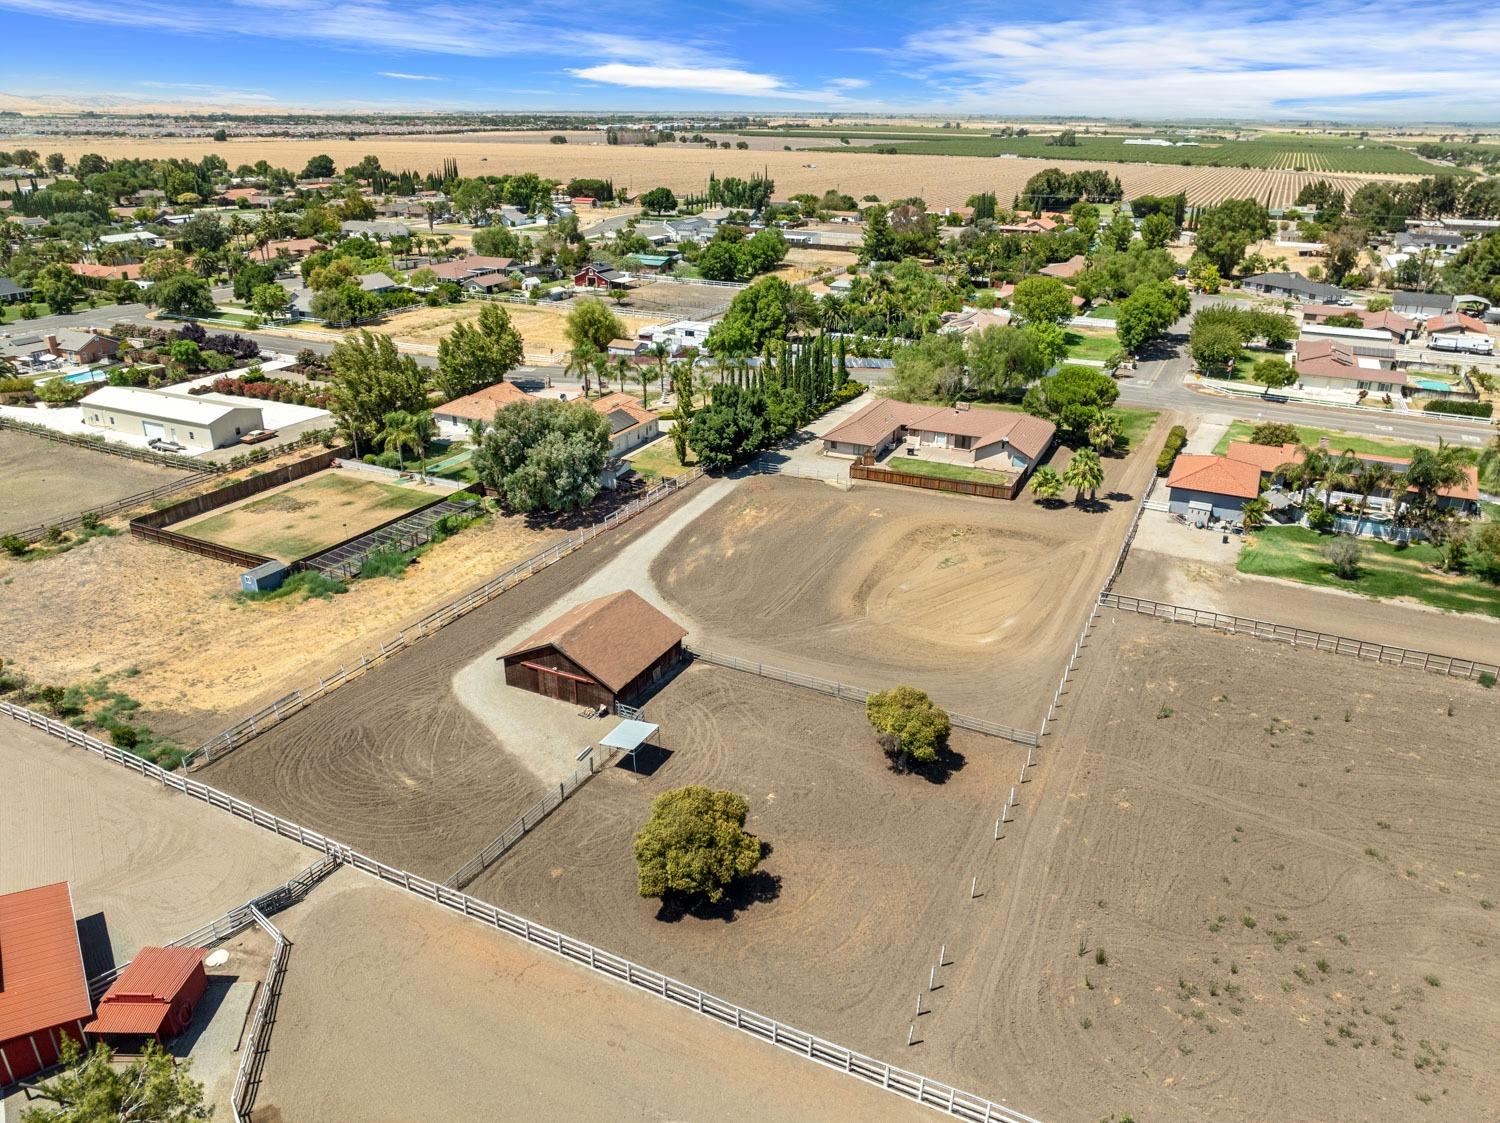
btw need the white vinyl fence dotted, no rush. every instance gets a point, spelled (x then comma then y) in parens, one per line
(909, 1085)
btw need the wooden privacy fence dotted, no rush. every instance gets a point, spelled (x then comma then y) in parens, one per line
(934, 483)
(284, 707)
(1450, 665)
(854, 693)
(909, 1085)
(525, 822)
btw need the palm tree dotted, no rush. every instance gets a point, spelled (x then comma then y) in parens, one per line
(402, 430)
(1254, 513)
(661, 353)
(624, 370)
(1431, 471)
(1340, 475)
(1371, 476)
(1085, 473)
(1104, 432)
(580, 363)
(1489, 465)
(644, 375)
(1046, 484)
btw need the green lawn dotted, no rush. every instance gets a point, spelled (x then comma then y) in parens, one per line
(1337, 442)
(1103, 312)
(1296, 553)
(11, 313)
(1134, 424)
(913, 466)
(658, 460)
(1091, 345)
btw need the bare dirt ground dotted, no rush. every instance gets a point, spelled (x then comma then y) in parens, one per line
(941, 180)
(310, 514)
(977, 601)
(1199, 583)
(868, 875)
(1250, 875)
(406, 987)
(154, 863)
(394, 764)
(688, 302)
(46, 480)
(542, 328)
(204, 655)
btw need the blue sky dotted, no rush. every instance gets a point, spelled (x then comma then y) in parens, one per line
(1350, 59)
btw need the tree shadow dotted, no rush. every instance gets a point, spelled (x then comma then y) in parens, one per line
(937, 771)
(757, 887)
(1056, 503)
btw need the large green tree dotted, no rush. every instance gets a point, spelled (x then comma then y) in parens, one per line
(479, 354)
(694, 845)
(1072, 399)
(1043, 300)
(152, 1088)
(370, 380)
(1149, 311)
(543, 455)
(1226, 230)
(912, 726)
(182, 294)
(591, 323)
(59, 286)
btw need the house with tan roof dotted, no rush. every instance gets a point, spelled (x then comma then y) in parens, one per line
(480, 405)
(1004, 442)
(1399, 328)
(1331, 364)
(630, 425)
(1065, 270)
(1459, 322)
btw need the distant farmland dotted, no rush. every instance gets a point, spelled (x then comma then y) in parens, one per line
(1287, 151)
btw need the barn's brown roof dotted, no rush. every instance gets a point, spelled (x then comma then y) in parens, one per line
(42, 983)
(139, 1001)
(614, 638)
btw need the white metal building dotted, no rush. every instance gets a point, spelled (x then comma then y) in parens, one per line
(199, 425)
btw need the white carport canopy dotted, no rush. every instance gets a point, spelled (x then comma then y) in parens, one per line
(629, 735)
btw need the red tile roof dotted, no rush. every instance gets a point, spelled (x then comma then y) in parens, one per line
(139, 1001)
(106, 272)
(1455, 321)
(41, 964)
(614, 638)
(482, 404)
(1265, 457)
(1217, 475)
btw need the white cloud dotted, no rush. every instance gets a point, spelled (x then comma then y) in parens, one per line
(408, 77)
(711, 80)
(1338, 58)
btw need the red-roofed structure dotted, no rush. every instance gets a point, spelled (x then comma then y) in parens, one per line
(154, 996)
(43, 991)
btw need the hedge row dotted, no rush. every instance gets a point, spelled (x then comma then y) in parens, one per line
(1467, 409)
(1170, 448)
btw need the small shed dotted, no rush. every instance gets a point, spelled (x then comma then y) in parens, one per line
(605, 650)
(154, 996)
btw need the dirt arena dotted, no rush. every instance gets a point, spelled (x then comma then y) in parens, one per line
(1250, 874)
(407, 987)
(868, 875)
(941, 180)
(146, 865)
(46, 481)
(976, 601)
(394, 764)
(1220, 587)
(543, 328)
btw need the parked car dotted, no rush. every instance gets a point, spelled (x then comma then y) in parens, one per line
(255, 436)
(162, 445)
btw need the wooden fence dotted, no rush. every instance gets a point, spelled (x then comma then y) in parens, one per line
(113, 448)
(934, 483)
(1407, 657)
(854, 693)
(129, 503)
(909, 1085)
(289, 704)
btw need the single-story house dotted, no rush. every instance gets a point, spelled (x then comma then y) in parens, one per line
(44, 993)
(1448, 241)
(154, 996)
(143, 238)
(1293, 286)
(352, 227)
(12, 293)
(486, 283)
(92, 272)
(1029, 226)
(235, 194)
(598, 653)
(68, 345)
(293, 248)
(475, 265)
(199, 425)
(515, 216)
(971, 321)
(1333, 365)
(630, 425)
(1422, 305)
(980, 438)
(28, 221)
(599, 275)
(626, 348)
(1399, 328)
(377, 282)
(1064, 270)
(480, 405)
(1454, 322)
(1204, 487)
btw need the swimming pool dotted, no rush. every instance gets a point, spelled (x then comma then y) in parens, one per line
(83, 377)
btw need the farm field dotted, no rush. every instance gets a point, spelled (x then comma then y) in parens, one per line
(1249, 874)
(886, 584)
(1218, 586)
(178, 619)
(1295, 553)
(395, 764)
(665, 298)
(541, 328)
(399, 981)
(146, 865)
(48, 480)
(308, 515)
(868, 873)
(941, 180)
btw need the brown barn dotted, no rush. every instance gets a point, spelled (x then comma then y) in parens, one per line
(605, 650)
